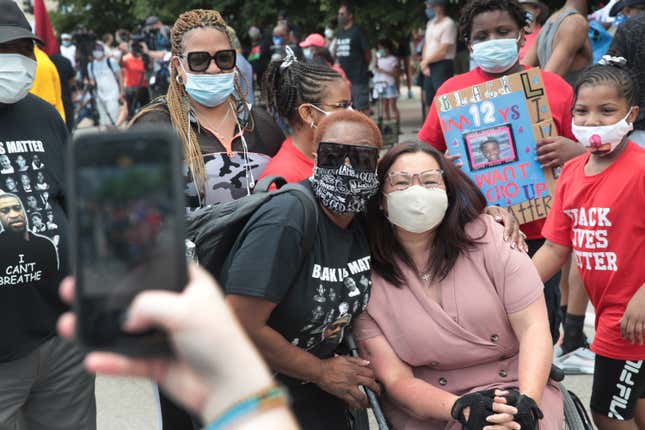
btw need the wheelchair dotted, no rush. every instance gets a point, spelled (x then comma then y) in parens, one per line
(575, 414)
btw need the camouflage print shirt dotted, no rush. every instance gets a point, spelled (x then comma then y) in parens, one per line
(226, 175)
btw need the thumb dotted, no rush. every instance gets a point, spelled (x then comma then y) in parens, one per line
(154, 308)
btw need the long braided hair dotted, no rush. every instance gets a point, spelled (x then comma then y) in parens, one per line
(177, 99)
(289, 83)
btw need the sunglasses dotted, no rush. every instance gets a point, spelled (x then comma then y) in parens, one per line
(333, 155)
(201, 60)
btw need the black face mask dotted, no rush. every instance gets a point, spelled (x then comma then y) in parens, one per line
(344, 190)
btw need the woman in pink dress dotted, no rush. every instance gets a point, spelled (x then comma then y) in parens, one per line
(455, 313)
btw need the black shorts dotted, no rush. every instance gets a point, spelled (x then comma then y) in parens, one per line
(617, 387)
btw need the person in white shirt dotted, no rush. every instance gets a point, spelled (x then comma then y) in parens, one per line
(68, 49)
(105, 75)
(385, 74)
(439, 50)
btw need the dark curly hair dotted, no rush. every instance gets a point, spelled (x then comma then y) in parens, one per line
(476, 7)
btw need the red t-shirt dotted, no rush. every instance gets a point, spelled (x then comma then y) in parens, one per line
(290, 163)
(560, 97)
(134, 71)
(601, 218)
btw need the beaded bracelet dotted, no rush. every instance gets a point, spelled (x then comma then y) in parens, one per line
(264, 400)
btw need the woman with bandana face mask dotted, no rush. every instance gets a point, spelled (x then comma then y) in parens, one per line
(290, 299)
(438, 258)
(494, 31)
(226, 142)
(597, 213)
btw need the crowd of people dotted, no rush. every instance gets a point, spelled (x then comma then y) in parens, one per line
(455, 306)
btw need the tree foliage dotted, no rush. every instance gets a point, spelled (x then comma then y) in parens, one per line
(391, 18)
(379, 18)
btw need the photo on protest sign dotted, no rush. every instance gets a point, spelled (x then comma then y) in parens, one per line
(490, 147)
(495, 127)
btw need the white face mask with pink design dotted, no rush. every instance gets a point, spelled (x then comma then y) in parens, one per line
(602, 138)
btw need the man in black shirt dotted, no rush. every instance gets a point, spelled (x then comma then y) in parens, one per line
(627, 43)
(42, 381)
(353, 54)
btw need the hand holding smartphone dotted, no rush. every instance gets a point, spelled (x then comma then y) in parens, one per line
(126, 208)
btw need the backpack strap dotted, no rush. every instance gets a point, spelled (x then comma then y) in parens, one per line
(264, 184)
(310, 205)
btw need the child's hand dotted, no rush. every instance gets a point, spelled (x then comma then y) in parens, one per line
(632, 325)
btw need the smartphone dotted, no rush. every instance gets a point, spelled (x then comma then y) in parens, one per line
(126, 206)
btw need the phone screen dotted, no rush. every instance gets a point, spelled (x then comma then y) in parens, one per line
(128, 232)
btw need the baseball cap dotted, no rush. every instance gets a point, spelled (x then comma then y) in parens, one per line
(618, 7)
(313, 39)
(66, 36)
(13, 24)
(151, 20)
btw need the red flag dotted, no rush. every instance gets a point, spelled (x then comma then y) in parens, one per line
(44, 29)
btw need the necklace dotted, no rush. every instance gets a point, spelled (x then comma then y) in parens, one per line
(425, 276)
(228, 111)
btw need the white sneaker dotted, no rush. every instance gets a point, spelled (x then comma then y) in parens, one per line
(577, 362)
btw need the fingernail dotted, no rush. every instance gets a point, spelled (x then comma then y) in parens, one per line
(498, 218)
(513, 245)
(505, 238)
(366, 363)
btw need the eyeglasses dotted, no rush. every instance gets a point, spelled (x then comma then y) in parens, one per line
(345, 104)
(429, 179)
(333, 155)
(201, 60)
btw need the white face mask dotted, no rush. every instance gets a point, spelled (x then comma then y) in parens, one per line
(17, 74)
(602, 138)
(417, 209)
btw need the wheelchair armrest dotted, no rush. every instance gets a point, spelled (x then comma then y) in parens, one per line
(556, 373)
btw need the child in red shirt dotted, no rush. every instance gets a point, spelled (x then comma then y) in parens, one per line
(598, 212)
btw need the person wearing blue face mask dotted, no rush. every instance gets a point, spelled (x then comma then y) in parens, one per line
(226, 142)
(493, 30)
(439, 50)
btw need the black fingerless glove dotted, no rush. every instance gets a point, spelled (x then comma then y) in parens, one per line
(481, 407)
(528, 413)
(512, 397)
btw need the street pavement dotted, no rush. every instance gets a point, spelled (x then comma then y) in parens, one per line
(129, 404)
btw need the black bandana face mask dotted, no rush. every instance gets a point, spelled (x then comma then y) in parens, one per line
(344, 190)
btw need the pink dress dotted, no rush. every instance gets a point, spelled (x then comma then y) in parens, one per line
(467, 343)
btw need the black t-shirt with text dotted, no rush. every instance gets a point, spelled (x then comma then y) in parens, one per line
(319, 291)
(33, 260)
(351, 46)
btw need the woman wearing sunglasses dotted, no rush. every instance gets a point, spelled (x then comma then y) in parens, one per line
(226, 143)
(296, 303)
(474, 315)
(301, 94)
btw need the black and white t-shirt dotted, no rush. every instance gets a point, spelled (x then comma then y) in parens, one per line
(319, 291)
(351, 46)
(226, 177)
(32, 262)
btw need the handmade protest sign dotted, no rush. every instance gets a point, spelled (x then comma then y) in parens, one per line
(494, 126)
